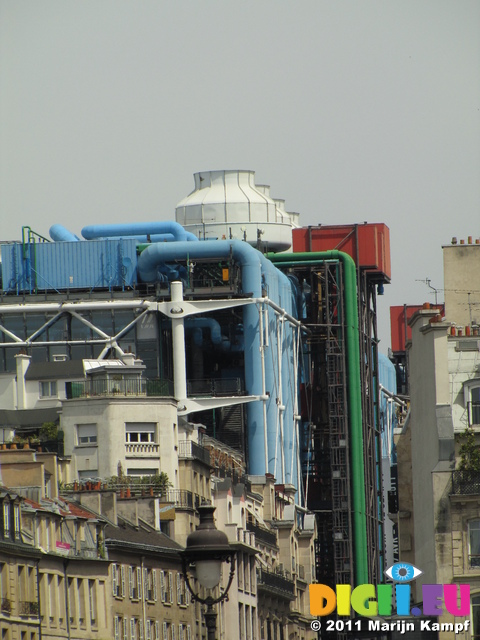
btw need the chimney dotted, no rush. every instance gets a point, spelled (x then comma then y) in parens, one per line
(22, 364)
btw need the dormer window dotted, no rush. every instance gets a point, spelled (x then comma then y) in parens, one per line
(48, 389)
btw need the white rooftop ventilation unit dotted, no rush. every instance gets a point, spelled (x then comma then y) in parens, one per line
(228, 205)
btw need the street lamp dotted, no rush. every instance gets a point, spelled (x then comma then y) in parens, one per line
(206, 549)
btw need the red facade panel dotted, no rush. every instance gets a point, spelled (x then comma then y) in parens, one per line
(368, 244)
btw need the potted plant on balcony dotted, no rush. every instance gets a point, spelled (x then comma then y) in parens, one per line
(469, 464)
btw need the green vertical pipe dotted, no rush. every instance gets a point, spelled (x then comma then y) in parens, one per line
(354, 393)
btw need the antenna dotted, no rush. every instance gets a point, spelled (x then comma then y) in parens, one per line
(427, 281)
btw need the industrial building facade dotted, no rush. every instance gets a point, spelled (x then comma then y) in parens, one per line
(208, 321)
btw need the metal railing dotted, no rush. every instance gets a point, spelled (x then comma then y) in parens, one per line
(465, 483)
(28, 608)
(275, 582)
(119, 388)
(142, 448)
(189, 450)
(215, 387)
(262, 535)
(180, 498)
(5, 605)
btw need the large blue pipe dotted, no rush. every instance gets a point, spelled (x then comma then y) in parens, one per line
(142, 229)
(60, 234)
(257, 273)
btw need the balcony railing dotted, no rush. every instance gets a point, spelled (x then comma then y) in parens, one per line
(180, 498)
(5, 605)
(119, 388)
(215, 387)
(465, 483)
(276, 583)
(28, 608)
(262, 534)
(142, 449)
(188, 450)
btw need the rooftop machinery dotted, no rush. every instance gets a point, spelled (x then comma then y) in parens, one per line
(279, 349)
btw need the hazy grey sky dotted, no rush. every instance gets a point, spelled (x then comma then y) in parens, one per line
(351, 111)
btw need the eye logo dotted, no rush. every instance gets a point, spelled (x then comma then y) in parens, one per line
(403, 572)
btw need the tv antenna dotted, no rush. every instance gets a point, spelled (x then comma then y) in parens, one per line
(427, 281)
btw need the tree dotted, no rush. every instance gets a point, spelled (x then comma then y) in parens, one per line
(469, 453)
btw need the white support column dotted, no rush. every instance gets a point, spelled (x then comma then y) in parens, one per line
(178, 337)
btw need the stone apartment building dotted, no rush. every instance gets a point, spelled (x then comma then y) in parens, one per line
(439, 503)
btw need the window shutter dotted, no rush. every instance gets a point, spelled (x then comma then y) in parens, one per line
(162, 585)
(125, 629)
(148, 630)
(154, 584)
(157, 630)
(122, 579)
(173, 632)
(145, 583)
(132, 629)
(140, 624)
(139, 583)
(165, 631)
(180, 632)
(189, 632)
(179, 590)
(170, 588)
(116, 626)
(114, 580)
(130, 583)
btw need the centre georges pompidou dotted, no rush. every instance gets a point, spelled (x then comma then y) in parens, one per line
(268, 339)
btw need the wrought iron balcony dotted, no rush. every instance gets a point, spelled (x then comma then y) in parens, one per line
(262, 534)
(188, 450)
(276, 583)
(28, 608)
(180, 498)
(5, 605)
(465, 483)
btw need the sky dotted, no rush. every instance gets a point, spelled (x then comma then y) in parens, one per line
(350, 110)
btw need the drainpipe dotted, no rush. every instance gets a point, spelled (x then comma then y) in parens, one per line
(354, 393)
(67, 607)
(38, 601)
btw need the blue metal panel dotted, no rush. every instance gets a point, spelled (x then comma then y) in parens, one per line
(69, 265)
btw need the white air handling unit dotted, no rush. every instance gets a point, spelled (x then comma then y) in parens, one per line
(228, 205)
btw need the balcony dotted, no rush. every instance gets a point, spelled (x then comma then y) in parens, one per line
(188, 450)
(28, 608)
(215, 388)
(119, 388)
(135, 449)
(180, 498)
(262, 534)
(465, 483)
(275, 583)
(5, 606)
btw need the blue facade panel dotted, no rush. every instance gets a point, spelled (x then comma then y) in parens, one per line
(69, 265)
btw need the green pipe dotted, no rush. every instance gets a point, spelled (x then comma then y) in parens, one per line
(354, 393)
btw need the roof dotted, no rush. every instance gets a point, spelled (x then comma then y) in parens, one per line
(28, 417)
(55, 370)
(128, 535)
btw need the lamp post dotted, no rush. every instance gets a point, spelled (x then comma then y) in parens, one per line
(207, 548)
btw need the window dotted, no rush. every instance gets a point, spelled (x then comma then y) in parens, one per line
(116, 628)
(134, 582)
(6, 519)
(16, 520)
(133, 629)
(86, 434)
(48, 389)
(92, 601)
(166, 587)
(181, 591)
(125, 629)
(139, 432)
(476, 617)
(150, 584)
(474, 545)
(474, 417)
